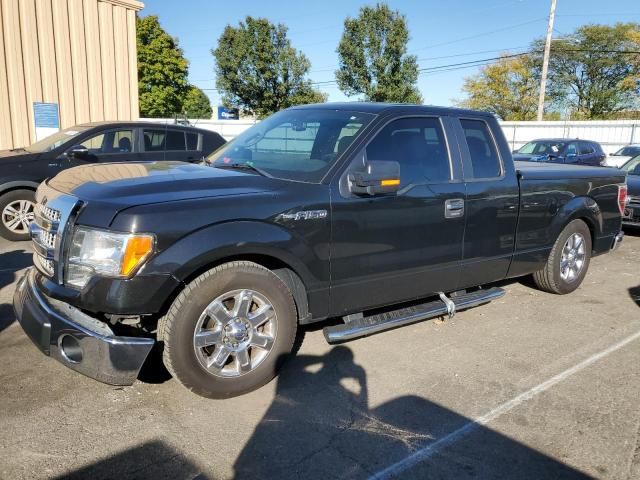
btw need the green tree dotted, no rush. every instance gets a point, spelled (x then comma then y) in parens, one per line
(373, 57)
(196, 104)
(508, 88)
(589, 73)
(259, 71)
(162, 70)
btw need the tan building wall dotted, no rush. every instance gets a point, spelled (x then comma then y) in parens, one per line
(80, 54)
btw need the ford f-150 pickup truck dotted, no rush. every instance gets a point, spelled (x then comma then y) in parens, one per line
(374, 215)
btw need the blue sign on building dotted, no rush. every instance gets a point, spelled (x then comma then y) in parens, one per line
(46, 115)
(225, 113)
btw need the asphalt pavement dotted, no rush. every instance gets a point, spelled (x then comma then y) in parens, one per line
(531, 386)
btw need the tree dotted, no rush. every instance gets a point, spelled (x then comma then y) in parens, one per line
(162, 70)
(373, 57)
(509, 88)
(196, 104)
(259, 71)
(590, 74)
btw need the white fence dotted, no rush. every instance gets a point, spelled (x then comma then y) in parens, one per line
(611, 134)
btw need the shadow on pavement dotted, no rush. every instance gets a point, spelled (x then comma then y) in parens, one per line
(320, 426)
(10, 263)
(634, 293)
(152, 460)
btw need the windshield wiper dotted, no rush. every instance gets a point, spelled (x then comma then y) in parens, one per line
(243, 166)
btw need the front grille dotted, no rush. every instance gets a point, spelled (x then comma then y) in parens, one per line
(49, 228)
(44, 235)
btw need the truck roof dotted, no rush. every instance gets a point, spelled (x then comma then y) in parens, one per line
(380, 107)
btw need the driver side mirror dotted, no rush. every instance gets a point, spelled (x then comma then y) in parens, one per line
(378, 178)
(78, 152)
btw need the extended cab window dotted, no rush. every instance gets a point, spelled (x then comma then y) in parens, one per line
(485, 162)
(298, 144)
(418, 145)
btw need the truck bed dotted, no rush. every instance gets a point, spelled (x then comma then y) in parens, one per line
(559, 171)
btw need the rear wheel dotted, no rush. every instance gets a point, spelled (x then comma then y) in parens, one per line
(568, 262)
(16, 213)
(229, 331)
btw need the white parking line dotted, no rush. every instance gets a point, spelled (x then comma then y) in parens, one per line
(453, 437)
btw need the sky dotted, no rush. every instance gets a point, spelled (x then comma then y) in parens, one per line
(441, 33)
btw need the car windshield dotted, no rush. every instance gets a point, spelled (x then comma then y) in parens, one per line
(628, 151)
(632, 167)
(54, 141)
(542, 148)
(298, 144)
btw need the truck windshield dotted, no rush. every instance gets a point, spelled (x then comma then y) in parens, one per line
(54, 141)
(542, 148)
(298, 144)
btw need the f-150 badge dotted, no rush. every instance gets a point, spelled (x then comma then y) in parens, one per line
(305, 215)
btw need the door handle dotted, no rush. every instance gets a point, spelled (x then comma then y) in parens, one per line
(454, 208)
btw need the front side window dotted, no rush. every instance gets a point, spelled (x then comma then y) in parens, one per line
(485, 162)
(114, 141)
(418, 145)
(572, 149)
(298, 144)
(628, 151)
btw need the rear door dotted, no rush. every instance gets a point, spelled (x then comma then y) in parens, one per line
(391, 248)
(491, 203)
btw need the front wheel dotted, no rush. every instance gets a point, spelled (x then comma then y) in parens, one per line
(229, 330)
(568, 261)
(16, 213)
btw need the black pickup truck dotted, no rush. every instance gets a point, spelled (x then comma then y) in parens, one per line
(378, 215)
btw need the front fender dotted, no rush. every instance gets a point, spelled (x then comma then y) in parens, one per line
(213, 244)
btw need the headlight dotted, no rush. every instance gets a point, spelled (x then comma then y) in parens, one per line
(97, 252)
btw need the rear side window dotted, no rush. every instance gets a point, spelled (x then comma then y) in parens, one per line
(192, 141)
(418, 145)
(175, 141)
(482, 150)
(586, 148)
(153, 140)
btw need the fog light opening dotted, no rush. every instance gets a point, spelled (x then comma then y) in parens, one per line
(70, 348)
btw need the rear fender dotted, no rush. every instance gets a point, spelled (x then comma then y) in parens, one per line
(584, 208)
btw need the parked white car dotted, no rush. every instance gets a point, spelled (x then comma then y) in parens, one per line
(623, 155)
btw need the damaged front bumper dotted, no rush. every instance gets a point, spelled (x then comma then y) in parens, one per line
(77, 340)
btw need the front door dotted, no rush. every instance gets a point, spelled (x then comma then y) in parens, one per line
(391, 248)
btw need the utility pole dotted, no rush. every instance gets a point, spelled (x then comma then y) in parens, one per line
(545, 61)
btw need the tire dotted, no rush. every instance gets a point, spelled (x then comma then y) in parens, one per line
(224, 330)
(10, 203)
(556, 276)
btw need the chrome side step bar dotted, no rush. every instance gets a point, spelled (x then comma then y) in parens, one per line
(357, 326)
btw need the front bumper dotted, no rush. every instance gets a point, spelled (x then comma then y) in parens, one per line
(77, 340)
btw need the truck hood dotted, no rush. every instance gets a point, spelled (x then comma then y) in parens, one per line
(123, 185)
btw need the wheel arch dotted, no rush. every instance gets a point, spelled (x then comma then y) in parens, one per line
(18, 185)
(579, 208)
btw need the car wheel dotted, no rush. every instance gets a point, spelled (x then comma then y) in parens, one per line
(17, 211)
(229, 330)
(568, 261)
